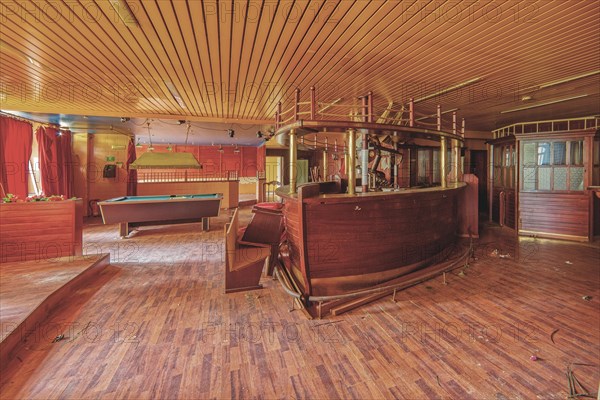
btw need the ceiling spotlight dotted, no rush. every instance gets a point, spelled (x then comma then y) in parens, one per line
(180, 121)
(124, 119)
(236, 149)
(259, 134)
(220, 149)
(526, 98)
(231, 132)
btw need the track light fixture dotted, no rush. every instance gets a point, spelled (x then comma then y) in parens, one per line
(231, 132)
(259, 134)
(125, 119)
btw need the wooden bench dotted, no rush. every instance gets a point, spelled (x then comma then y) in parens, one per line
(244, 261)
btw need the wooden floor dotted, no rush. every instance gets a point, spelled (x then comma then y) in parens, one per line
(157, 325)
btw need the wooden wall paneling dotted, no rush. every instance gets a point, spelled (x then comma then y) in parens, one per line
(554, 215)
(107, 188)
(80, 169)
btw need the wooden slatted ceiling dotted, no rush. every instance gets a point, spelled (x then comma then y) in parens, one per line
(232, 61)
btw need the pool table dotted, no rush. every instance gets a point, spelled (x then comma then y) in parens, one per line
(131, 211)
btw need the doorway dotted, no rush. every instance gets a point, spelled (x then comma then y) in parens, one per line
(478, 167)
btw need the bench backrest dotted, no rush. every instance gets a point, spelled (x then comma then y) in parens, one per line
(231, 244)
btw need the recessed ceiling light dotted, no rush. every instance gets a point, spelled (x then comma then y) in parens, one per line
(124, 12)
(561, 81)
(175, 94)
(543, 104)
(448, 89)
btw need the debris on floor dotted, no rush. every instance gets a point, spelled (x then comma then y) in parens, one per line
(552, 335)
(568, 262)
(496, 253)
(587, 298)
(574, 392)
(58, 338)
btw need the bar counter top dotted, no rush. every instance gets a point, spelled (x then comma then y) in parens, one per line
(283, 192)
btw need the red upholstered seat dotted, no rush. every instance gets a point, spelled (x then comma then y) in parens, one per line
(270, 206)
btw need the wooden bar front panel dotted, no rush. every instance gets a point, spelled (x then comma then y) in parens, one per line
(358, 237)
(40, 230)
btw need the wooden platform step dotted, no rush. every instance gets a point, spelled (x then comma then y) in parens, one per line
(30, 290)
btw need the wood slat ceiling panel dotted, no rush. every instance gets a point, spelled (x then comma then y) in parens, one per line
(234, 60)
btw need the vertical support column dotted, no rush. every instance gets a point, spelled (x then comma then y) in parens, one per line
(370, 107)
(364, 155)
(325, 169)
(325, 161)
(364, 163)
(443, 150)
(455, 152)
(296, 104)
(351, 161)
(411, 112)
(278, 116)
(394, 162)
(293, 160)
(345, 151)
(313, 103)
(461, 171)
(439, 117)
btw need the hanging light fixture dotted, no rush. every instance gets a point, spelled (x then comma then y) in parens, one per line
(150, 147)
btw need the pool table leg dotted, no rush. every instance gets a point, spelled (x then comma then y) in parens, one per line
(205, 224)
(124, 229)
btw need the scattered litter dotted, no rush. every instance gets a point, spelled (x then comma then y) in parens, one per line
(437, 378)
(568, 262)
(574, 383)
(533, 358)
(496, 253)
(461, 273)
(552, 335)
(59, 338)
(587, 298)
(428, 287)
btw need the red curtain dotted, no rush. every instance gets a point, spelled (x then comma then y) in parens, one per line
(56, 161)
(131, 173)
(66, 165)
(16, 138)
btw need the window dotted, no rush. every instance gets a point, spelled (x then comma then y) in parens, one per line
(552, 165)
(504, 166)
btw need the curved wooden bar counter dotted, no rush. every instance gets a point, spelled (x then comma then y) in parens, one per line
(339, 243)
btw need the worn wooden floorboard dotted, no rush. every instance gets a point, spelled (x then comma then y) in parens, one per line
(157, 324)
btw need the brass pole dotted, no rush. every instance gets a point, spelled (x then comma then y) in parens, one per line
(351, 161)
(455, 160)
(293, 158)
(325, 169)
(443, 162)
